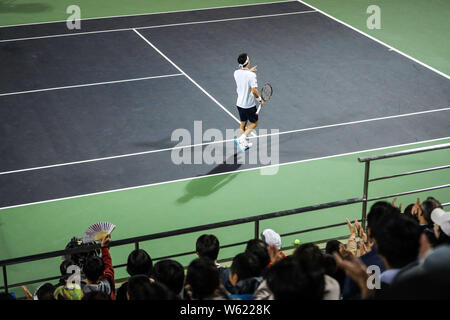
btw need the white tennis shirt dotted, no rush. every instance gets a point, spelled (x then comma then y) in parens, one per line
(245, 81)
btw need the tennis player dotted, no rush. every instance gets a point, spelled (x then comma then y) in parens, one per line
(247, 100)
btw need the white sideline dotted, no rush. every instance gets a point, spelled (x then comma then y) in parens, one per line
(379, 41)
(157, 26)
(89, 84)
(218, 174)
(148, 14)
(216, 142)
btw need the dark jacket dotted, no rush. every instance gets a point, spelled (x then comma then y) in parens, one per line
(351, 289)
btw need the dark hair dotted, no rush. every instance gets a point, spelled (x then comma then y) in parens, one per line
(288, 279)
(139, 262)
(309, 252)
(443, 238)
(6, 296)
(207, 246)
(427, 207)
(245, 265)
(408, 212)
(96, 295)
(93, 268)
(63, 269)
(203, 278)
(332, 246)
(170, 273)
(45, 292)
(140, 288)
(242, 58)
(398, 240)
(376, 214)
(259, 248)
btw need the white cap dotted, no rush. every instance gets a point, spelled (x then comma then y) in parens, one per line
(442, 219)
(270, 237)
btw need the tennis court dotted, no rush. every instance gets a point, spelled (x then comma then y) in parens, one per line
(87, 118)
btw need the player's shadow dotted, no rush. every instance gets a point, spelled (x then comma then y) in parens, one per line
(204, 187)
(10, 7)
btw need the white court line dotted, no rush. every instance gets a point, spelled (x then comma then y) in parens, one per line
(149, 14)
(216, 142)
(222, 173)
(187, 76)
(379, 41)
(158, 26)
(90, 84)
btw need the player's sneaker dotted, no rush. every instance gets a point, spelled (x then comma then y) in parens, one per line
(240, 144)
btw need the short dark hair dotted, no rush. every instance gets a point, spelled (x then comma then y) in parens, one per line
(207, 246)
(96, 295)
(141, 288)
(427, 207)
(288, 279)
(398, 240)
(170, 273)
(203, 277)
(242, 58)
(45, 292)
(332, 246)
(259, 248)
(139, 262)
(309, 252)
(93, 268)
(245, 265)
(376, 214)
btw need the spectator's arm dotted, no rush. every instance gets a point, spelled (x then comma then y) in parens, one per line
(106, 257)
(351, 242)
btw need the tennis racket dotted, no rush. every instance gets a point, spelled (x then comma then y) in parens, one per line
(266, 94)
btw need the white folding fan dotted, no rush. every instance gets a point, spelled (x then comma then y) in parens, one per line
(98, 231)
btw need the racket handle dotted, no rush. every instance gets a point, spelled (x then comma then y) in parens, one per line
(259, 109)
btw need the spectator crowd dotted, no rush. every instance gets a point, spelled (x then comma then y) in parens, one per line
(402, 254)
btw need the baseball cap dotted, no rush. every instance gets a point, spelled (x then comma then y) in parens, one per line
(442, 219)
(270, 237)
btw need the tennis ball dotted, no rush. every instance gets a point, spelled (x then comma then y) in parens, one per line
(297, 242)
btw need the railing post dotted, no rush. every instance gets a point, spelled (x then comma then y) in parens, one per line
(256, 229)
(365, 193)
(136, 245)
(5, 279)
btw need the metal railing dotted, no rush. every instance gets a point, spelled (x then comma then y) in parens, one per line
(367, 180)
(254, 219)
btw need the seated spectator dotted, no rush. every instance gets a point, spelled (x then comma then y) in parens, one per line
(171, 274)
(207, 247)
(99, 272)
(441, 221)
(96, 295)
(139, 262)
(244, 276)
(69, 291)
(203, 281)
(371, 258)
(259, 248)
(397, 244)
(63, 269)
(141, 287)
(331, 267)
(43, 292)
(422, 212)
(310, 254)
(273, 241)
(288, 279)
